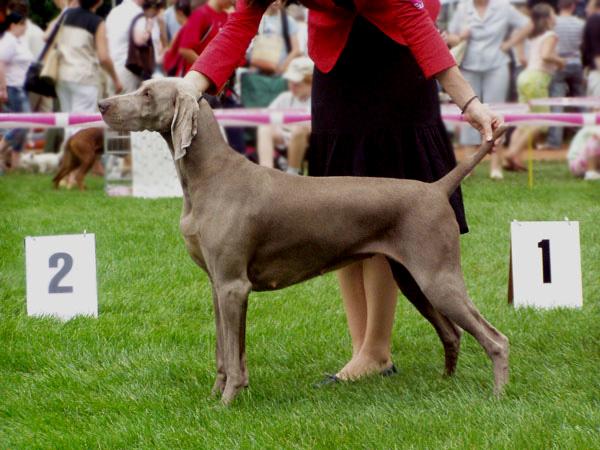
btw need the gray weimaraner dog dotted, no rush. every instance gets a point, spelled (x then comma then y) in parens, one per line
(253, 228)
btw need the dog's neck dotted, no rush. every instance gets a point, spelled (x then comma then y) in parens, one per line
(207, 152)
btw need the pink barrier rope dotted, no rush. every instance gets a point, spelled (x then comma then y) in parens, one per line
(256, 117)
(590, 102)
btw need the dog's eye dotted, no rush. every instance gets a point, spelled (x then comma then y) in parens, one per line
(147, 93)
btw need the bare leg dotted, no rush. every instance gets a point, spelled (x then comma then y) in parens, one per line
(370, 310)
(265, 146)
(297, 148)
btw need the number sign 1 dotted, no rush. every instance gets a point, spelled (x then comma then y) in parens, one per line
(546, 264)
(61, 276)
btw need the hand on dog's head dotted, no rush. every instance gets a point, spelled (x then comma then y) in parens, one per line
(166, 105)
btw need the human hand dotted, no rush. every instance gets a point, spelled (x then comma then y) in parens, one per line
(465, 34)
(196, 82)
(118, 86)
(444, 35)
(483, 119)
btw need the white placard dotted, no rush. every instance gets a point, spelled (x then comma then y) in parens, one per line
(154, 173)
(61, 276)
(546, 264)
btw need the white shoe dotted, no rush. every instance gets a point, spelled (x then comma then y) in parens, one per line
(592, 175)
(496, 174)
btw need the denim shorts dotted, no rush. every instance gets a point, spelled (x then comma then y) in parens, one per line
(18, 102)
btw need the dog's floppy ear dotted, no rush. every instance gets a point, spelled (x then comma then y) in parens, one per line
(185, 124)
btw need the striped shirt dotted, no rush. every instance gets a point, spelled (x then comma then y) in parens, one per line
(569, 30)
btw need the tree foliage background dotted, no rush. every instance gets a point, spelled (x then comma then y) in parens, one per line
(43, 11)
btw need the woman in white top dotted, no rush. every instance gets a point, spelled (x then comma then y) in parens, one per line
(15, 58)
(482, 26)
(534, 82)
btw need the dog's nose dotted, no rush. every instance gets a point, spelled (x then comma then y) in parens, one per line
(103, 106)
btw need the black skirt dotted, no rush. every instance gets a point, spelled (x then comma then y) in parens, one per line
(375, 114)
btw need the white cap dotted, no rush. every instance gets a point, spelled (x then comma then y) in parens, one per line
(298, 69)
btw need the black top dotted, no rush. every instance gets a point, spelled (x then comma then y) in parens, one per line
(82, 18)
(590, 46)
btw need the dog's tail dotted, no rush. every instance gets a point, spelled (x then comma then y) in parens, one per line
(452, 180)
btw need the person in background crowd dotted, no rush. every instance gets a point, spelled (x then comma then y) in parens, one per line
(298, 13)
(375, 112)
(82, 44)
(484, 25)
(173, 61)
(294, 138)
(118, 25)
(277, 32)
(175, 17)
(34, 35)
(534, 82)
(569, 80)
(15, 58)
(590, 49)
(202, 26)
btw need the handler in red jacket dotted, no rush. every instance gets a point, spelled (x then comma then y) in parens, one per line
(375, 112)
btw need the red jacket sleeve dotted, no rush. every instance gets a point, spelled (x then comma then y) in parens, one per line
(410, 23)
(224, 53)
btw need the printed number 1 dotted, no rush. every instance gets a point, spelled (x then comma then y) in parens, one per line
(544, 244)
(54, 287)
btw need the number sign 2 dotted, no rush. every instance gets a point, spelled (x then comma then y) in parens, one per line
(545, 264)
(61, 276)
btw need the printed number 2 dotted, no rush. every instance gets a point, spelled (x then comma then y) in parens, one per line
(54, 287)
(544, 244)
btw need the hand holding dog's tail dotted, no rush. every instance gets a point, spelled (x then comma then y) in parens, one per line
(452, 180)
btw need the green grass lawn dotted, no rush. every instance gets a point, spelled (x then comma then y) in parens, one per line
(139, 376)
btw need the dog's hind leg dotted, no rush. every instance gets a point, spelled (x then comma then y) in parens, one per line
(447, 331)
(447, 293)
(233, 298)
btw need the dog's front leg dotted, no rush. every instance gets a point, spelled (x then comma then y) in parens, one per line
(232, 298)
(221, 379)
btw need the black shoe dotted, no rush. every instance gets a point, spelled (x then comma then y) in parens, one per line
(389, 371)
(329, 379)
(333, 379)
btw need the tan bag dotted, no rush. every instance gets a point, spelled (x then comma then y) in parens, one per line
(52, 59)
(266, 51)
(458, 51)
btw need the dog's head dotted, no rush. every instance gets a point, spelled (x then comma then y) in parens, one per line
(166, 105)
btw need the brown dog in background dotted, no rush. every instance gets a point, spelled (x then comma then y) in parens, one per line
(81, 151)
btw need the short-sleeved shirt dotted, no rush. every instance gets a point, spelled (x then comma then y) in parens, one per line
(17, 57)
(487, 33)
(569, 30)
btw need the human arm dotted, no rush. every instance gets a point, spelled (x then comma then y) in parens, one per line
(548, 51)
(294, 53)
(477, 114)
(3, 87)
(104, 56)
(517, 37)
(142, 31)
(217, 62)
(458, 29)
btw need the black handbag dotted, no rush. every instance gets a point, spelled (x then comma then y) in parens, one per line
(140, 58)
(34, 82)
